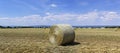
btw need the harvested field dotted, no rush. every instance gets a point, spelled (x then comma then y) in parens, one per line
(35, 40)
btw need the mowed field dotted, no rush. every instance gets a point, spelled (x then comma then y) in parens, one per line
(35, 40)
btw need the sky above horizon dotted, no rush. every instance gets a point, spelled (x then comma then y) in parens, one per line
(49, 12)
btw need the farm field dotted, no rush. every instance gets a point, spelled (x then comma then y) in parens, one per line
(35, 40)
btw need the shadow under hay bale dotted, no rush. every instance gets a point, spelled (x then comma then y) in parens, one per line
(71, 44)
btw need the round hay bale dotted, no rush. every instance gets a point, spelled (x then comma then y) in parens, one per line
(61, 34)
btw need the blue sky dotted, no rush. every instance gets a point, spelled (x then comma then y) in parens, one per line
(48, 12)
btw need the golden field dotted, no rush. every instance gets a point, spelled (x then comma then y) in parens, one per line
(35, 40)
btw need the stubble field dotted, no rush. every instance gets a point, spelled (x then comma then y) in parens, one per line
(35, 40)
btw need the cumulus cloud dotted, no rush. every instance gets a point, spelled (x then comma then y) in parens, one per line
(48, 13)
(109, 15)
(90, 18)
(53, 5)
(25, 20)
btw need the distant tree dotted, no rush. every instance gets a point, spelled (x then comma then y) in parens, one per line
(1, 27)
(8, 27)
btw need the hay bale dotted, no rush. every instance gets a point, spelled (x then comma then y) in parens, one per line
(61, 34)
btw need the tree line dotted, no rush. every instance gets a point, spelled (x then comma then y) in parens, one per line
(49, 26)
(24, 26)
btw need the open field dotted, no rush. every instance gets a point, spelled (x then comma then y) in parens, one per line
(35, 40)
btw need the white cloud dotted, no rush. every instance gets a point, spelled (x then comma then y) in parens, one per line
(53, 5)
(25, 20)
(90, 18)
(109, 15)
(48, 13)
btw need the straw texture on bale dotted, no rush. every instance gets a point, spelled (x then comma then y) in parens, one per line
(61, 34)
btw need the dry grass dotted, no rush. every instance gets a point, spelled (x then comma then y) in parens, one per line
(35, 40)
